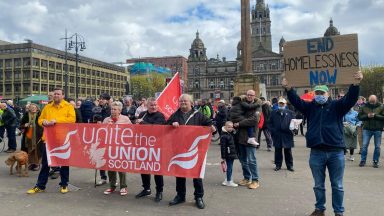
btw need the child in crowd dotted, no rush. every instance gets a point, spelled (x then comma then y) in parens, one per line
(241, 110)
(228, 151)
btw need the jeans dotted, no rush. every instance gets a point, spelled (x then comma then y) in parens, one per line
(267, 135)
(146, 179)
(333, 160)
(229, 168)
(251, 132)
(197, 184)
(44, 171)
(11, 133)
(367, 134)
(247, 157)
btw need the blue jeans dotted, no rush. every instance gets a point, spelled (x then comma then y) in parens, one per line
(333, 160)
(247, 157)
(367, 134)
(229, 168)
(44, 171)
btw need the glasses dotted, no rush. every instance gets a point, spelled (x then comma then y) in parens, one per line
(252, 95)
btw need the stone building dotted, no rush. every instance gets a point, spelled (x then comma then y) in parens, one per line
(29, 68)
(210, 78)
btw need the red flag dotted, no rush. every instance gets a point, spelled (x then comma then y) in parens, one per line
(168, 100)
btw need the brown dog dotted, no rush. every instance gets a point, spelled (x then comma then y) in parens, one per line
(21, 159)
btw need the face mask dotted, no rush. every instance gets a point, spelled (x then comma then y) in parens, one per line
(321, 99)
(281, 107)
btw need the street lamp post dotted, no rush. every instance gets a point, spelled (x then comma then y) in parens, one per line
(78, 43)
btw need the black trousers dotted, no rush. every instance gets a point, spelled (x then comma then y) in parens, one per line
(287, 155)
(146, 179)
(197, 184)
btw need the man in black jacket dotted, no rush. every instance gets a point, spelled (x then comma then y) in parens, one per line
(325, 139)
(151, 116)
(185, 115)
(10, 124)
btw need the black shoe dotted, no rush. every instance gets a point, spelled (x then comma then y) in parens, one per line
(375, 164)
(177, 200)
(290, 169)
(200, 203)
(143, 193)
(277, 168)
(159, 196)
(362, 163)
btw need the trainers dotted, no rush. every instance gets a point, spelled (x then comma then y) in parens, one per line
(362, 163)
(375, 164)
(109, 191)
(252, 141)
(245, 182)
(35, 190)
(224, 183)
(64, 189)
(123, 191)
(254, 185)
(317, 212)
(143, 193)
(351, 158)
(101, 182)
(231, 184)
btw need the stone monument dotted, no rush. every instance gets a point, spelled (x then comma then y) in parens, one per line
(246, 79)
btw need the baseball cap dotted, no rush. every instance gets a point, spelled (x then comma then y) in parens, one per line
(222, 101)
(322, 88)
(282, 100)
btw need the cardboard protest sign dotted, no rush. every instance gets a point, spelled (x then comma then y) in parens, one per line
(321, 61)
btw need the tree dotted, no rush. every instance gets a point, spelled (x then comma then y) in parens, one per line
(146, 85)
(373, 82)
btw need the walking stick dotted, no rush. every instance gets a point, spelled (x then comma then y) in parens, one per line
(95, 177)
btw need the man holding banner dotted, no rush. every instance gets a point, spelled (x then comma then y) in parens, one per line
(325, 139)
(59, 111)
(151, 116)
(185, 115)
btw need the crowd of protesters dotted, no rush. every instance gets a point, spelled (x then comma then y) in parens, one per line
(334, 128)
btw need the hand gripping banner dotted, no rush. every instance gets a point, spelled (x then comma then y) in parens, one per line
(150, 149)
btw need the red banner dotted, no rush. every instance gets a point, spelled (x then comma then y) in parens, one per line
(168, 100)
(151, 149)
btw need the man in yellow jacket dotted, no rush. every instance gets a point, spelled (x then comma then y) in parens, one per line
(60, 111)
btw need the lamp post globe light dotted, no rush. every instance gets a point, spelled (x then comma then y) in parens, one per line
(79, 45)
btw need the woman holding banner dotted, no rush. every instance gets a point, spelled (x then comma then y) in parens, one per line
(116, 118)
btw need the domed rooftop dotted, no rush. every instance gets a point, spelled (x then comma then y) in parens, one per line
(282, 41)
(197, 43)
(331, 30)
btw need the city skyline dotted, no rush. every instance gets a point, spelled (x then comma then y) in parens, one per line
(117, 30)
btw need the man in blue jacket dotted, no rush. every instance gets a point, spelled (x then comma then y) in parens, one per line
(325, 139)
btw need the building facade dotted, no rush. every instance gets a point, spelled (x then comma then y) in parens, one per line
(29, 69)
(209, 78)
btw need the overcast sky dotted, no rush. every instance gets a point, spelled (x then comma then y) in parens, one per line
(115, 30)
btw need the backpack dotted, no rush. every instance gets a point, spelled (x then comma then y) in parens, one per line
(261, 121)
